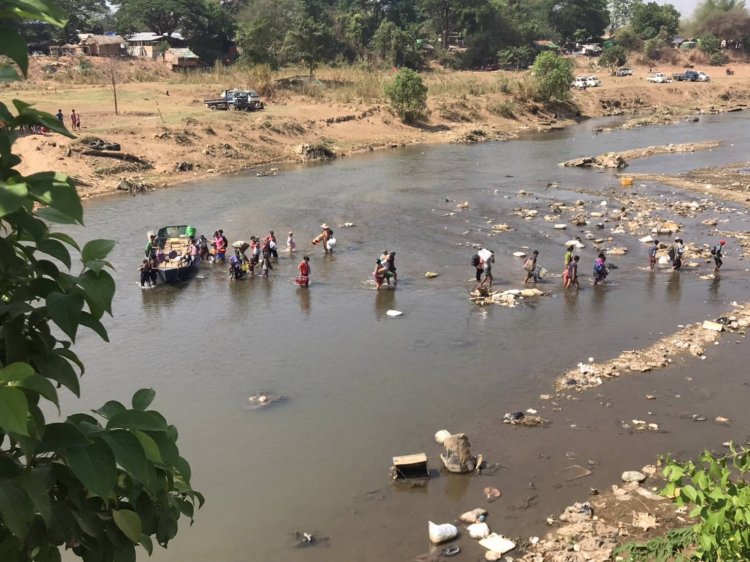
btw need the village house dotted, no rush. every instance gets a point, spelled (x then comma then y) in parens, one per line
(103, 45)
(181, 58)
(151, 45)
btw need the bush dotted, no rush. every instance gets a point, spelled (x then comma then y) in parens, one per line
(504, 108)
(553, 75)
(717, 59)
(709, 44)
(716, 489)
(407, 95)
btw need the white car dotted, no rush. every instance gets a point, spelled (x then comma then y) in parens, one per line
(580, 83)
(659, 78)
(703, 77)
(593, 81)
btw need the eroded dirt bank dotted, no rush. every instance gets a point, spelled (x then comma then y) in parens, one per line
(167, 136)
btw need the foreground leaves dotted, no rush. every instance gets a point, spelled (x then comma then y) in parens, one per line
(99, 484)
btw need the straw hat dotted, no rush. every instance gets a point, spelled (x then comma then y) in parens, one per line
(324, 225)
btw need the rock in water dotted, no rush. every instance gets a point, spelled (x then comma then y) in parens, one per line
(633, 476)
(457, 455)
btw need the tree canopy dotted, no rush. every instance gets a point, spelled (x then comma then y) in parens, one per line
(650, 18)
(101, 483)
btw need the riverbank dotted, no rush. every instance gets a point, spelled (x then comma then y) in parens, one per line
(172, 138)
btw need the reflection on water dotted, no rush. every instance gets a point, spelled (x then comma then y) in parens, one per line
(361, 390)
(674, 287)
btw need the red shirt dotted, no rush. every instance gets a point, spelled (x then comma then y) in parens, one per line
(304, 269)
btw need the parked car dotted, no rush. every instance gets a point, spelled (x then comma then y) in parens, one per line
(680, 76)
(623, 71)
(659, 78)
(593, 81)
(703, 77)
(580, 83)
(239, 100)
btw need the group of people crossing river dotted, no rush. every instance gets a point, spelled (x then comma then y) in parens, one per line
(482, 262)
(263, 252)
(243, 257)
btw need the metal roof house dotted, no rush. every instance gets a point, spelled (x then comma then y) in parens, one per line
(151, 45)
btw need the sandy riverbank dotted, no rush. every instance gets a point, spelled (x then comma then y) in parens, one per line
(164, 123)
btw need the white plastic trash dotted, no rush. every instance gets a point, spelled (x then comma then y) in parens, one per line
(442, 533)
(394, 313)
(498, 543)
(478, 531)
(442, 435)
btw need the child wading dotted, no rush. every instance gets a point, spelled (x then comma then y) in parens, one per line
(600, 269)
(652, 255)
(571, 276)
(566, 262)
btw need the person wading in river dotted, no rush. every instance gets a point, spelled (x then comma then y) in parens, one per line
(676, 252)
(488, 258)
(571, 277)
(652, 255)
(529, 267)
(325, 238)
(716, 252)
(304, 272)
(271, 239)
(566, 262)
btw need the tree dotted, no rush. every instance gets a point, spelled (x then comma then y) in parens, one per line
(261, 34)
(709, 7)
(567, 17)
(396, 47)
(163, 17)
(613, 57)
(649, 19)
(709, 44)
(620, 12)
(99, 484)
(407, 95)
(730, 26)
(628, 39)
(518, 57)
(553, 75)
(110, 68)
(210, 31)
(311, 38)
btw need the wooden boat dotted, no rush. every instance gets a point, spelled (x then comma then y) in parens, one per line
(177, 265)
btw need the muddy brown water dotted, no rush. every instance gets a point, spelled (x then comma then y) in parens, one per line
(362, 388)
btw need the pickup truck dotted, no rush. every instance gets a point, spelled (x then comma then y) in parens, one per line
(690, 76)
(236, 100)
(659, 78)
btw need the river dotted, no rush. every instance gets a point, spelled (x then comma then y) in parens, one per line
(362, 387)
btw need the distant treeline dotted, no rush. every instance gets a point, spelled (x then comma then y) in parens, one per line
(458, 33)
